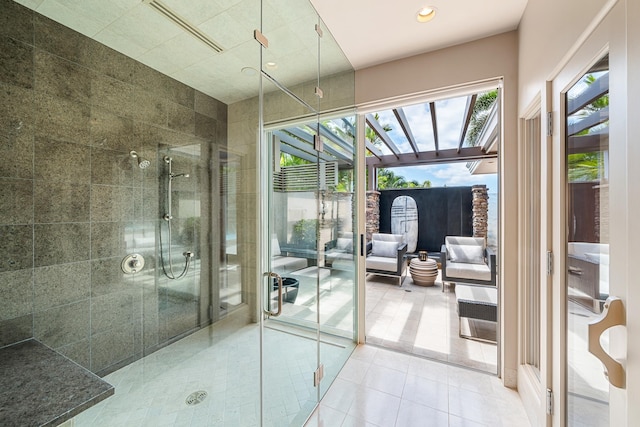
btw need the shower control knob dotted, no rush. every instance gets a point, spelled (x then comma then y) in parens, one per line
(132, 263)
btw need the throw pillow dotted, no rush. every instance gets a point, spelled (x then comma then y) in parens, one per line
(467, 254)
(384, 249)
(344, 244)
(275, 246)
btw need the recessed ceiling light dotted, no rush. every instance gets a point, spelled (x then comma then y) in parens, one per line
(426, 14)
(271, 65)
(249, 71)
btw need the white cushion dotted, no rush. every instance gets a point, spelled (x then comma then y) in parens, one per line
(385, 249)
(477, 293)
(466, 253)
(398, 238)
(275, 246)
(286, 264)
(458, 270)
(382, 263)
(344, 244)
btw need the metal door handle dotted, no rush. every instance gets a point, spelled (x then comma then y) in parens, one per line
(575, 270)
(268, 312)
(612, 315)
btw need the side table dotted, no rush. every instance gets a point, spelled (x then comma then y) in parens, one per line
(423, 273)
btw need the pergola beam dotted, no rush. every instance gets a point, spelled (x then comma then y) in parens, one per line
(406, 128)
(295, 147)
(326, 132)
(434, 122)
(373, 149)
(299, 133)
(450, 155)
(471, 102)
(589, 143)
(590, 121)
(382, 134)
(594, 91)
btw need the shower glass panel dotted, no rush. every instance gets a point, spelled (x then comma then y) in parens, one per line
(289, 344)
(230, 291)
(337, 213)
(308, 177)
(292, 56)
(180, 247)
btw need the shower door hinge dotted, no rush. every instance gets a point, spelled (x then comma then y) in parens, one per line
(261, 38)
(549, 263)
(549, 402)
(318, 375)
(550, 123)
(319, 30)
(319, 93)
(317, 143)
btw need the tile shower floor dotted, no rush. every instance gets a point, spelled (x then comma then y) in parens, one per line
(223, 361)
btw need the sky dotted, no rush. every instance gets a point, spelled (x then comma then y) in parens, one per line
(449, 118)
(451, 175)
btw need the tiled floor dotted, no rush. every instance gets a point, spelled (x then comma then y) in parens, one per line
(222, 360)
(423, 321)
(379, 387)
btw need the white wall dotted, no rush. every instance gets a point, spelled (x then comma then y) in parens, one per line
(480, 60)
(547, 33)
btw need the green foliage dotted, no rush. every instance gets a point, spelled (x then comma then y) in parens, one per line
(480, 115)
(345, 181)
(388, 180)
(304, 233)
(287, 159)
(585, 167)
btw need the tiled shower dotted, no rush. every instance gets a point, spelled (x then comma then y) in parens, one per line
(74, 201)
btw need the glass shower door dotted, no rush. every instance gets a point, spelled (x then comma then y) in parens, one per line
(289, 290)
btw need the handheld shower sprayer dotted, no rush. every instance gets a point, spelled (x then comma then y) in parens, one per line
(168, 217)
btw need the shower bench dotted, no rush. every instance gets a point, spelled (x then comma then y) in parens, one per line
(40, 387)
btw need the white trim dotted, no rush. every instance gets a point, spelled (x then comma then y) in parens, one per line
(582, 39)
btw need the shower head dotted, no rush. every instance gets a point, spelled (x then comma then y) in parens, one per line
(142, 163)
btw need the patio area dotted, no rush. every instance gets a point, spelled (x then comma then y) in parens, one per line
(413, 319)
(423, 321)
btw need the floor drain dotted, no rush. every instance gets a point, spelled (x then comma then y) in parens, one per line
(196, 397)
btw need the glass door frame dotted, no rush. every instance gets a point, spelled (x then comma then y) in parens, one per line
(536, 172)
(609, 37)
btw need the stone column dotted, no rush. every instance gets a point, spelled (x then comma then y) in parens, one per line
(480, 204)
(373, 213)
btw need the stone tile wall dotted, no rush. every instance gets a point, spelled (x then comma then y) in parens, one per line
(73, 202)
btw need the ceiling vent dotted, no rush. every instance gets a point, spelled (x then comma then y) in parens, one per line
(183, 23)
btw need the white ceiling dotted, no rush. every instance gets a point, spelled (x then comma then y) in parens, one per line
(140, 32)
(373, 32)
(369, 32)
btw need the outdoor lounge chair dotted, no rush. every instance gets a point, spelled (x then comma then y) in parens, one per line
(468, 260)
(385, 256)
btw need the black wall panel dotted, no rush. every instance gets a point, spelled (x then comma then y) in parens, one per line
(445, 211)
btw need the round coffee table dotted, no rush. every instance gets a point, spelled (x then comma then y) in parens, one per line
(423, 273)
